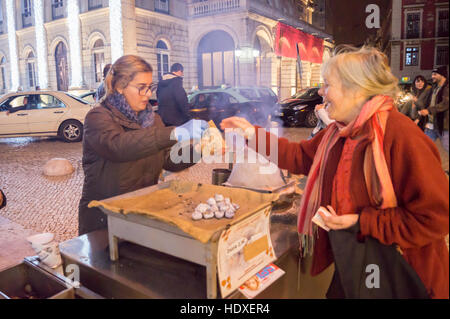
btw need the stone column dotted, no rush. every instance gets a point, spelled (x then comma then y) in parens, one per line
(73, 19)
(12, 43)
(122, 22)
(41, 40)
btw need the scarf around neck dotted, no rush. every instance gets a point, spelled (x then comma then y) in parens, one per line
(369, 125)
(144, 118)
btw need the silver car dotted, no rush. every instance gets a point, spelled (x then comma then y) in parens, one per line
(43, 113)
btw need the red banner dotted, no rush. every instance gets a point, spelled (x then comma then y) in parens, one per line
(310, 47)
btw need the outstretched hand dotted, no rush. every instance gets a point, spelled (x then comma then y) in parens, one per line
(239, 123)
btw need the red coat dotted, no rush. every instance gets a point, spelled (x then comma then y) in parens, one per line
(420, 222)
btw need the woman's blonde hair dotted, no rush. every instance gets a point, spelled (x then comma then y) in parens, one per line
(363, 69)
(123, 72)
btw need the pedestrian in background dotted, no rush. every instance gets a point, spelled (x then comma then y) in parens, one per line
(173, 104)
(101, 90)
(421, 91)
(379, 179)
(125, 144)
(437, 110)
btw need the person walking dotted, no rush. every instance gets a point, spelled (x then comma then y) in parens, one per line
(378, 180)
(173, 104)
(126, 146)
(437, 110)
(101, 90)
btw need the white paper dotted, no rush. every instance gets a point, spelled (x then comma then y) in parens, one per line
(317, 219)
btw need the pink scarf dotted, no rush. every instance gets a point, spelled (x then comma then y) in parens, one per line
(369, 124)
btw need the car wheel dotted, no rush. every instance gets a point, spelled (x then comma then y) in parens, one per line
(71, 131)
(311, 119)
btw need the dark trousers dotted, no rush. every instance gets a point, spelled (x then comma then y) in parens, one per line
(335, 291)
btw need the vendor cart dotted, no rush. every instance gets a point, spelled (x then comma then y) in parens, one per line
(141, 257)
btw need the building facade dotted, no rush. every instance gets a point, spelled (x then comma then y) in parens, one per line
(64, 44)
(419, 37)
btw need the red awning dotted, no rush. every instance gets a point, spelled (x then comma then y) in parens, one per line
(310, 47)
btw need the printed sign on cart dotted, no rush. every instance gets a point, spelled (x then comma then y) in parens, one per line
(260, 281)
(244, 249)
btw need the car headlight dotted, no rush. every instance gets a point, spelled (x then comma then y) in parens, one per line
(299, 107)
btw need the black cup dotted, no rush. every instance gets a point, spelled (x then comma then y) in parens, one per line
(220, 175)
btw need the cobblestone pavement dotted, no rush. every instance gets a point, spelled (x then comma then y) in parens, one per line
(37, 203)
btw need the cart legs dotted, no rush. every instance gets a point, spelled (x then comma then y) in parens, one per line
(113, 247)
(211, 271)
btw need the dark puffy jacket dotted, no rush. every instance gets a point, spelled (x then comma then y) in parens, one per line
(120, 156)
(440, 109)
(172, 100)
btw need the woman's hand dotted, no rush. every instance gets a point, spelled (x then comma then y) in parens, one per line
(424, 112)
(319, 106)
(191, 130)
(336, 222)
(234, 122)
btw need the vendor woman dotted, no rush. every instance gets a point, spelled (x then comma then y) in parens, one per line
(125, 144)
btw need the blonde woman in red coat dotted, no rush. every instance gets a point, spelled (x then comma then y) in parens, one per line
(378, 176)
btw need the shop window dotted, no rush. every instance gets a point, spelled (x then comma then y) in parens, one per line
(1, 18)
(95, 4)
(216, 60)
(412, 56)
(57, 9)
(31, 70)
(2, 75)
(143, 4)
(413, 25)
(162, 57)
(162, 6)
(442, 26)
(27, 19)
(442, 55)
(98, 51)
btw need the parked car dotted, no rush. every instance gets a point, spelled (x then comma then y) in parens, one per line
(218, 104)
(259, 93)
(88, 97)
(298, 110)
(43, 113)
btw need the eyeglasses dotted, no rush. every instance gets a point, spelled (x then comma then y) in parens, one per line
(142, 90)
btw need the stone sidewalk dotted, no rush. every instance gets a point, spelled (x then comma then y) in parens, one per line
(38, 204)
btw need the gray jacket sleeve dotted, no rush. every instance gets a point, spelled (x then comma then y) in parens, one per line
(109, 139)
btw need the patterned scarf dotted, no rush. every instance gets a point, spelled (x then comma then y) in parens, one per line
(369, 125)
(144, 118)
